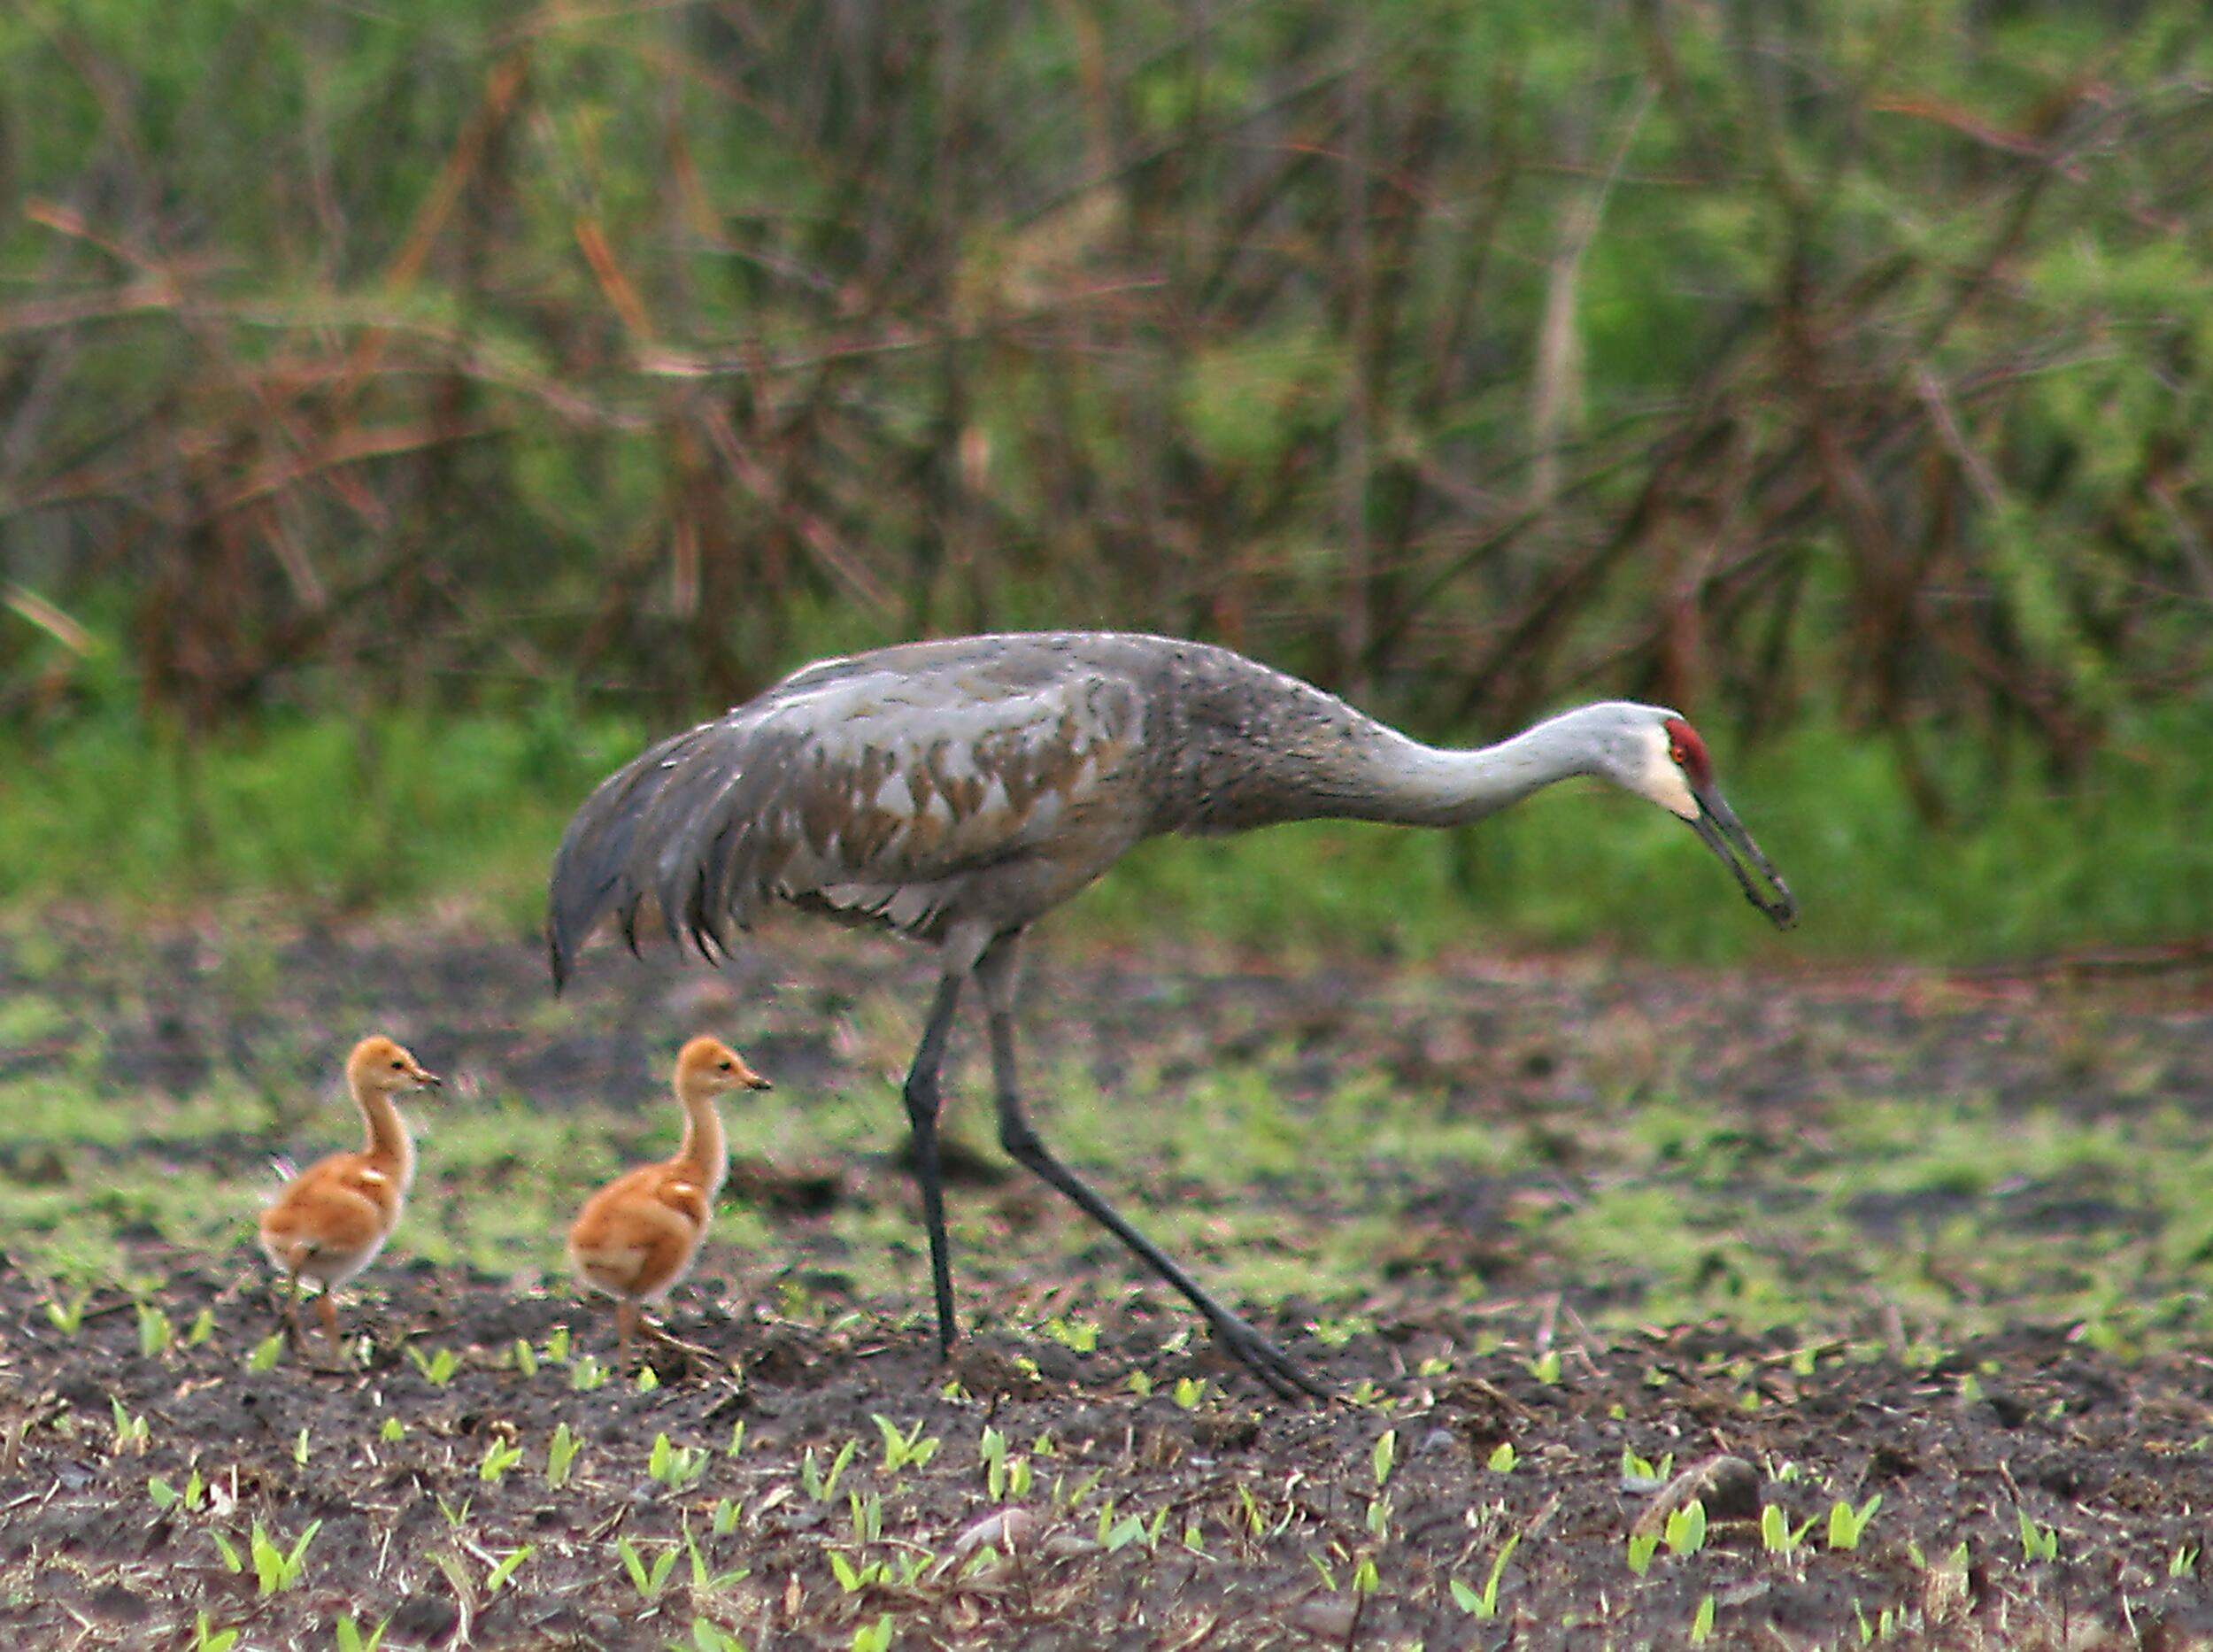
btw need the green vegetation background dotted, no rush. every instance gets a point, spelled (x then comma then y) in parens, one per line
(405, 414)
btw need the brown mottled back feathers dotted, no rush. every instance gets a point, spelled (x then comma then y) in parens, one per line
(982, 780)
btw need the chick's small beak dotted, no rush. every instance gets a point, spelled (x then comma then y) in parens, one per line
(754, 1081)
(1723, 833)
(428, 1079)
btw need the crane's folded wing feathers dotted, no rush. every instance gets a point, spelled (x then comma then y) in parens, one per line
(867, 787)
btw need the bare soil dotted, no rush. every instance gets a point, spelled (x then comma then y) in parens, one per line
(1203, 1517)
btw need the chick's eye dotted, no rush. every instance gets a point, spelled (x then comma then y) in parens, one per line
(728, 1067)
(398, 1066)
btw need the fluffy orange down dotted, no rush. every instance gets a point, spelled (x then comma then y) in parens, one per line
(331, 1219)
(639, 1234)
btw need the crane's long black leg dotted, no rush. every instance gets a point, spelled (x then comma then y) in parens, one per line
(923, 1097)
(1277, 1369)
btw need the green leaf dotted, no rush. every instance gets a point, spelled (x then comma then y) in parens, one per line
(499, 1575)
(1702, 1622)
(1641, 1548)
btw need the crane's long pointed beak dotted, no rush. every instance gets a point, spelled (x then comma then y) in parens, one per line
(1723, 833)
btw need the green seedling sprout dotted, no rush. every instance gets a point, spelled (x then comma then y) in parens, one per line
(1384, 1457)
(1846, 1523)
(561, 1455)
(1079, 1336)
(1138, 1383)
(438, 1368)
(2038, 1543)
(131, 1432)
(724, 1519)
(499, 1456)
(737, 1438)
(1501, 1459)
(901, 1448)
(1546, 1367)
(68, 1319)
(267, 1353)
(1642, 1472)
(557, 1345)
(166, 1497)
(711, 1637)
(874, 1637)
(300, 1447)
(867, 1516)
(1189, 1392)
(1642, 1545)
(648, 1379)
(676, 1467)
(1379, 1516)
(1702, 1622)
(392, 1431)
(1778, 1536)
(155, 1332)
(526, 1358)
(496, 1577)
(819, 1486)
(208, 1639)
(648, 1580)
(1686, 1532)
(349, 1638)
(586, 1374)
(202, 1327)
(276, 1570)
(1484, 1606)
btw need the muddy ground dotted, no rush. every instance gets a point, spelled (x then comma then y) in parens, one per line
(2040, 1484)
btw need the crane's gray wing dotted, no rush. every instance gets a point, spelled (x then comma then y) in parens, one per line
(878, 787)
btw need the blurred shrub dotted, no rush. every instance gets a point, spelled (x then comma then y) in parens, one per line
(1848, 360)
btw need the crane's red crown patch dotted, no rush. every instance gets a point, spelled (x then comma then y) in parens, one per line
(1689, 752)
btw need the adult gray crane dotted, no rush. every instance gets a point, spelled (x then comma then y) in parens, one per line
(956, 792)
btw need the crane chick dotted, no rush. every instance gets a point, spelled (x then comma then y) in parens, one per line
(639, 1234)
(330, 1221)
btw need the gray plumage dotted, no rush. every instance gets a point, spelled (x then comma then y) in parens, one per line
(955, 791)
(960, 789)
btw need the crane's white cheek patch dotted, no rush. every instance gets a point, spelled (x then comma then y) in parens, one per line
(1665, 786)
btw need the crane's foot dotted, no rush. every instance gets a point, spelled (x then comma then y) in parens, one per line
(1277, 1371)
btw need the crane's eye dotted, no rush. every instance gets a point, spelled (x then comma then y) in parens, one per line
(1675, 752)
(728, 1067)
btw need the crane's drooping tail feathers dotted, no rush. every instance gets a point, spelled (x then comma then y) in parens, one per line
(671, 831)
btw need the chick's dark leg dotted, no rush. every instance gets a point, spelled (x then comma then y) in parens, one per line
(995, 974)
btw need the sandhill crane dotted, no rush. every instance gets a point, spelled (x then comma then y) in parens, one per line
(955, 791)
(331, 1219)
(639, 1234)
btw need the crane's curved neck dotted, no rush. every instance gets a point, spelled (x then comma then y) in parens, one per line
(1426, 785)
(705, 1153)
(388, 1141)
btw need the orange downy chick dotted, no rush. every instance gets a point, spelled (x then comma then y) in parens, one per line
(331, 1219)
(638, 1235)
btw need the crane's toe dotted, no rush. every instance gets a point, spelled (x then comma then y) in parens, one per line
(1278, 1373)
